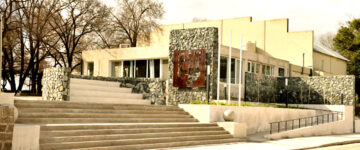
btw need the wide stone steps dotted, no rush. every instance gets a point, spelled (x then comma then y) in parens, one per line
(89, 88)
(126, 136)
(94, 82)
(99, 115)
(102, 143)
(110, 100)
(122, 126)
(32, 112)
(100, 94)
(97, 126)
(83, 105)
(99, 120)
(94, 111)
(126, 131)
(83, 90)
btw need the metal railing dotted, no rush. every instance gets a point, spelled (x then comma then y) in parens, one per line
(281, 126)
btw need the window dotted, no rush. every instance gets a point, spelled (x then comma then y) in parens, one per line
(322, 65)
(90, 68)
(257, 68)
(281, 72)
(143, 68)
(127, 71)
(154, 68)
(253, 67)
(115, 69)
(224, 69)
(140, 69)
(267, 70)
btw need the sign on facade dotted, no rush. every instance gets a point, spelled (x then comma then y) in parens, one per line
(189, 68)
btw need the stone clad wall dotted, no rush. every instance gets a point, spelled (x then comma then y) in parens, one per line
(56, 82)
(6, 127)
(193, 39)
(301, 90)
(151, 88)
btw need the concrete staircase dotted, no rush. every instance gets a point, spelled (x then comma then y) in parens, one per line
(82, 90)
(94, 126)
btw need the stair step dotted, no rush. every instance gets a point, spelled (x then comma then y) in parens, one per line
(99, 115)
(127, 136)
(68, 145)
(110, 100)
(94, 111)
(126, 131)
(94, 82)
(103, 94)
(165, 145)
(84, 87)
(85, 105)
(100, 120)
(122, 126)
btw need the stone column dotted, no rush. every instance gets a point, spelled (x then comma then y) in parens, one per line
(6, 127)
(193, 39)
(56, 84)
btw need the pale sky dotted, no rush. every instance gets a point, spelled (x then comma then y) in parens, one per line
(322, 16)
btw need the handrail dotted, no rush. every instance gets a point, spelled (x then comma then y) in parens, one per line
(314, 120)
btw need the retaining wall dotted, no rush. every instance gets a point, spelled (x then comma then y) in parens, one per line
(334, 90)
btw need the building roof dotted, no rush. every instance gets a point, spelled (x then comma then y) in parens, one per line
(322, 49)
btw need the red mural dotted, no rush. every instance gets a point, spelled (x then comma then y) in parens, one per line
(189, 68)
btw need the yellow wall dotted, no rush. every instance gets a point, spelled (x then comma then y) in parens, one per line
(332, 65)
(102, 58)
(270, 36)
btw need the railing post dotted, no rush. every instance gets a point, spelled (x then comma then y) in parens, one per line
(306, 122)
(332, 117)
(286, 125)
(292, 125)
(328, 117)
(270, 128)
(278, 127)
(312, 121)
(317, 120)
(300, 123)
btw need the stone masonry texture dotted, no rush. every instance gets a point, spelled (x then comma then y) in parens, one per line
(56, 82)
(152, 89)
(300, 90)
(6, 127)
(193, 39)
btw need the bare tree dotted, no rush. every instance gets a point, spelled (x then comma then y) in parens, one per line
(138, 18)
(327, 40)
(78, 19)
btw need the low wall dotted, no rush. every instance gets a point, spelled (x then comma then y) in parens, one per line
(257, 119)
(357, 126)
(26, 137)
(335, 90)
(152, 88)
(6, 127)
(56, 84)
(344, 126)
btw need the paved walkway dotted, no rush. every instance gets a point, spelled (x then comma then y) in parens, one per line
(284, 144)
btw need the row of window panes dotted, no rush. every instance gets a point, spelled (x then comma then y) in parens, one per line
(143, 68)
(224, 70)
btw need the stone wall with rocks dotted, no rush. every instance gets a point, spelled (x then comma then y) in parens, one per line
(301, 90)
(56, 84)
(6, 127)
(151, 88)
(193, 39)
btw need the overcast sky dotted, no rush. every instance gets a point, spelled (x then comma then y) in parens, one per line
(322, 16)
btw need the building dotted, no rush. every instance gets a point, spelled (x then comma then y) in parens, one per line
(269, 49)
